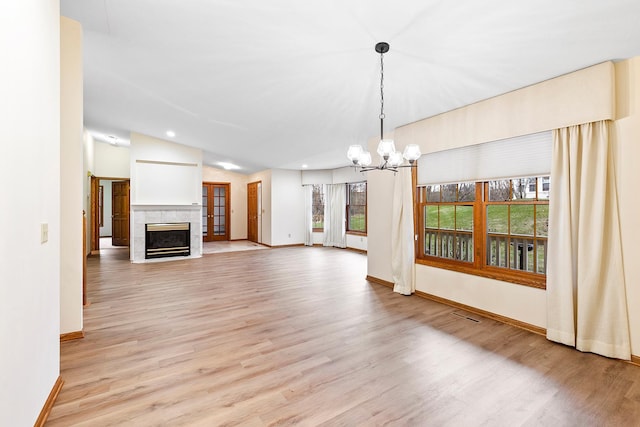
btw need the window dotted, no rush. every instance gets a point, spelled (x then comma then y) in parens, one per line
(494, 228)
(357, 207)
(545, 184)
(317, 207)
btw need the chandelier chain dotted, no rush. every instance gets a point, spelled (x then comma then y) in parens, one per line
(381, 86)
(381, 95)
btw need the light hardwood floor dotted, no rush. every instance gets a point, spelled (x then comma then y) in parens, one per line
(298, 336)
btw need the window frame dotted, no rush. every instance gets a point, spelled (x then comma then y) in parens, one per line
(313, 205)
(348, 204)
(479, 265)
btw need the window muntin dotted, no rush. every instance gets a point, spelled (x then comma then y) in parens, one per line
(448, 221)
(517, 227)
(317, 207)
(357, 207)
(505, 221)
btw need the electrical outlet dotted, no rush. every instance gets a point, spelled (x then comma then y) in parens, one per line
(44, 232)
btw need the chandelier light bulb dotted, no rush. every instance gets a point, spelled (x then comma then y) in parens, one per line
(386, 147)
(395, 159)
(354, 153)
(365, 159)
(411, 153)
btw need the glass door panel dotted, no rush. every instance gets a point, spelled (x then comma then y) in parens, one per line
(215, 211)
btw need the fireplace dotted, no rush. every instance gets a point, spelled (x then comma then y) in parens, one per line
(167, 240)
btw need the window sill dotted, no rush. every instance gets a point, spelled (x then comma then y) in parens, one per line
(532, 280)
(357, 233)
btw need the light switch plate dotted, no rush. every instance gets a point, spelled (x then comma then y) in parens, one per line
(44, 232)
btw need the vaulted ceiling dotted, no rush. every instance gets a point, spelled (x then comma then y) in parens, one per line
(281, 83)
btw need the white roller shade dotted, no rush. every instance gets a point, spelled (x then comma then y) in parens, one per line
(528, 155)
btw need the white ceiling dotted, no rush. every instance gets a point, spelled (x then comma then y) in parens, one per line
(282, 83)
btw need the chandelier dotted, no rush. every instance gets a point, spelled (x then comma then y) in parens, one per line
(390, 159)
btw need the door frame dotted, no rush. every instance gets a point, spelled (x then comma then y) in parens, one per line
(258, 185)
(94, 214)
(93, 218)
(227, 209)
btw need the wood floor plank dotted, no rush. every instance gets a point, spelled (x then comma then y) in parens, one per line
(297, 336)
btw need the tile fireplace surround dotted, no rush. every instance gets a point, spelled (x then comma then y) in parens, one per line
(153, 214)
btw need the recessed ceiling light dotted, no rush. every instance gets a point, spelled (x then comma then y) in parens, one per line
(171, 133)
(305, 166)
(228, 166)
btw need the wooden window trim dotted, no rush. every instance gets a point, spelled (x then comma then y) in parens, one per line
(366, 197)
(478, 267)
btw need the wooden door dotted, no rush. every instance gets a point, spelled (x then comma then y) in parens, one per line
(120, 213)
(253, 211)
(94, 218)
(216, 207)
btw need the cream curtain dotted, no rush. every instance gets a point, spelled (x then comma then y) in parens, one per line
(402, 239)
(586, 300)
(335, 205)
(308, 215)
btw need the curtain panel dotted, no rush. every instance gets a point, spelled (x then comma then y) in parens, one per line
(335, 206)
(402, 234)
(308, 215)
(586, 298)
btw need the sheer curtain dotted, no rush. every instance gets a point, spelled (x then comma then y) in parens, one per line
(402, 239)
(335, 205)
(308, 215)
(586, 299)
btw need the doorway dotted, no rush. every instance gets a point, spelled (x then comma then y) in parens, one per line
(254, 211)
(215, 211)
(109, 209)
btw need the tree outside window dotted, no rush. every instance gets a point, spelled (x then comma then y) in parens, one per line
(317, 207)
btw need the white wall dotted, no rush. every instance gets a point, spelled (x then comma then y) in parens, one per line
(287, 208)
(265, 215)
(627, 136)
(71, 176)
(88, 145)
(238, 188)
(164, 172)
(111, 161)
(30, 168)
(355, 241)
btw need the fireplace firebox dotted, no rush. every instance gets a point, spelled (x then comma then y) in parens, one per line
(167, 240)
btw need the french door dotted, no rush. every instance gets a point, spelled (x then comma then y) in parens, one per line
(215, 211)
